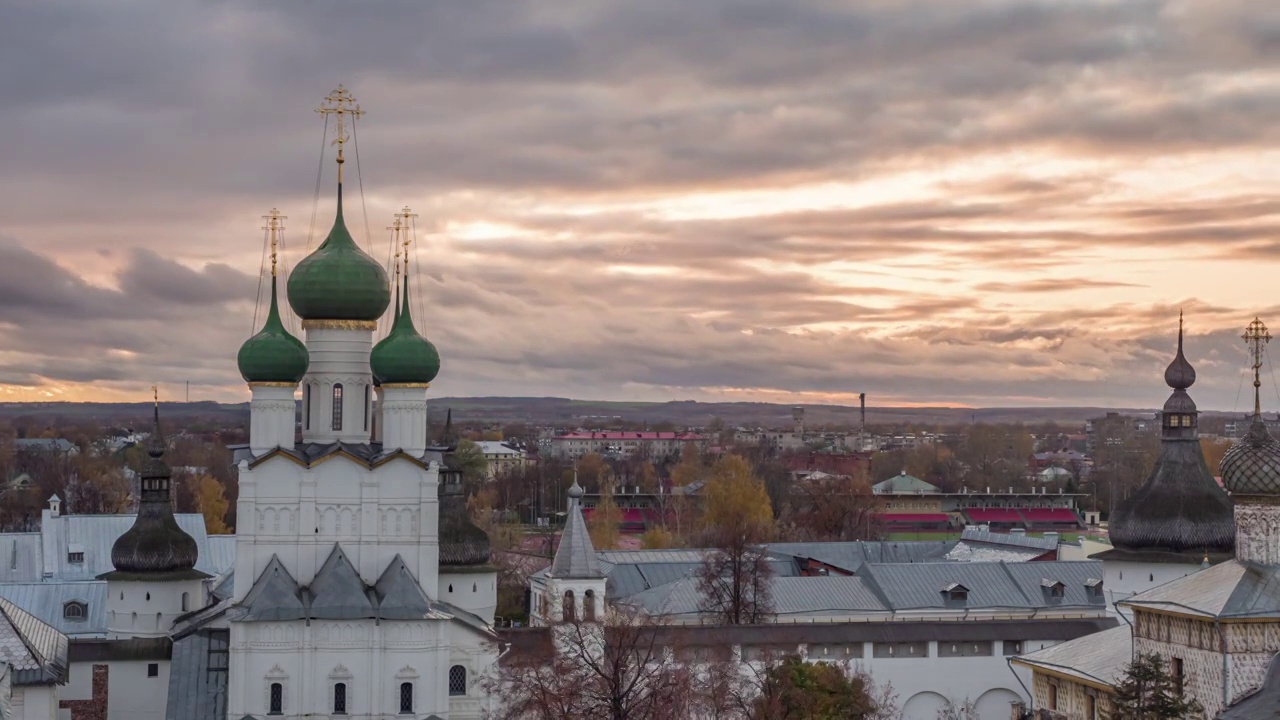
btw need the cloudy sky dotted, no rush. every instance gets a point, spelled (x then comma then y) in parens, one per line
(933, 202)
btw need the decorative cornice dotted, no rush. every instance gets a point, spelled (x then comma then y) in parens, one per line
(406, 385)
(317, 324)
(274, 384)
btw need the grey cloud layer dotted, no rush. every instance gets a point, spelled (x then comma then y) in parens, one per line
(154, 131)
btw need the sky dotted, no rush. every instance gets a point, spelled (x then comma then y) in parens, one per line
(987, 203)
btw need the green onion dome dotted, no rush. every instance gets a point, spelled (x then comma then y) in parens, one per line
(404, 357)
(273, 355)
(339, 281)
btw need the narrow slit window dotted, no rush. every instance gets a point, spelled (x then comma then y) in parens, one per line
(366, 408)
(337, 408)
(340, 699)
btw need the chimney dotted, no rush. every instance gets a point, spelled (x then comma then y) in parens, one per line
(55, 505)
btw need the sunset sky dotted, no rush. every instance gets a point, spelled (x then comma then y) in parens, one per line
(935, 202)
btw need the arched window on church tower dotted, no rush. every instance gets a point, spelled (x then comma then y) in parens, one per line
(569, 607)
(589, 605)
(337, 407)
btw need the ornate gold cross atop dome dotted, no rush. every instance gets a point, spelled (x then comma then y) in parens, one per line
(340, 103)
(274, 227)
(1256, 337)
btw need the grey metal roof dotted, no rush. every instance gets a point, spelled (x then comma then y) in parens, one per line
(981, 552)
(19, 557)
(46, 600)
(1022, 540)
(991, 585)
(219, 554)
(852, 555)
(575, 558)
(274, 596)
(1100, 658)
(225, 586)
(1264, 704)
(95, 534)
(44, 444)
(371, 454)
(35, 651)
(1229, 590)
(904, 483)
(631, 557)
(198, 677)
(400, 597)
(337, 592)
(790, 595)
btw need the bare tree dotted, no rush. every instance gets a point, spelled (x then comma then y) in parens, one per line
(734, 581)
(615, 669)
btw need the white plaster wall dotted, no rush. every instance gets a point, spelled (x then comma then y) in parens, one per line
(148, 609)
(372, 659)
(131, 695)
(404, 418)
(475, 592)
(1124, 579)
(298, 513)
(271, 418)
(35, 703)
(337, 356)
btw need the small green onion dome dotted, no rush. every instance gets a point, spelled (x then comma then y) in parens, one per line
(339, 281)
(273, 355)
(404, 356)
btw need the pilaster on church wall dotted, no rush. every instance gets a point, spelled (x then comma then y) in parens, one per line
(1252, 647)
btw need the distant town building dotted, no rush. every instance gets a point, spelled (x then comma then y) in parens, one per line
(624, 443)
(502, 458)
(52, 446)
(906, 503)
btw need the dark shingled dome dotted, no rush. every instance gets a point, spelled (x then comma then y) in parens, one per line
(1180, 507)
(1252, 466)
(155, 543)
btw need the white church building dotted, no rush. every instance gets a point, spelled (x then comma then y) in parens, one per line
(358, 588)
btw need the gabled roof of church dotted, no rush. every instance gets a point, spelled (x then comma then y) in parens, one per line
(575, 558)
(274, 596)
(35, 651)
(400, 597)
(1229, 590)
(337, 592)
(368, 454)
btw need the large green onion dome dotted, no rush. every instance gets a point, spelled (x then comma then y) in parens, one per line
(273, 355)
(339, 281)
(404, 357)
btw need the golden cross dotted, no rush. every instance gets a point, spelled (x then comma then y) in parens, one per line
(406, 215)
(1256, 336)
(340, 103)
(274, 225)
(395, 240)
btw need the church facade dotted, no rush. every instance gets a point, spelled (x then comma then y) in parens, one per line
(349, 601)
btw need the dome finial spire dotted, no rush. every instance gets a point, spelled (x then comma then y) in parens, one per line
(395, 282)
(274, 227)
(1256, 337)
(340, 103)
(1180, 375)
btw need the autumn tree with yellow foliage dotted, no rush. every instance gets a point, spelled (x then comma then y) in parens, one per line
(211, 502)
(735, 578)
(606, 520)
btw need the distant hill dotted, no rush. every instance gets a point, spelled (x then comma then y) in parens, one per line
(569, 412)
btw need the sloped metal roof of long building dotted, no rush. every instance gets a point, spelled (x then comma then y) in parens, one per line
(1100, 658)
(1227, 590)
(852, 555)
(24, 557)
(989, 585)
(46, 600)
(197, 689)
